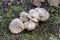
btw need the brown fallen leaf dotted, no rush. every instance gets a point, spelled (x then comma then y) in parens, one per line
(54, 2)
(38, 2)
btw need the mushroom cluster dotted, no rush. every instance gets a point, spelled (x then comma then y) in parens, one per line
(29, 20)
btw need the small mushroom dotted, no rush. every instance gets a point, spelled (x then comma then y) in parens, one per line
(54, 2)
(30, 25)
(34, 15)
(16, 26)
(24, 16)
(38, 2)
(43, 14)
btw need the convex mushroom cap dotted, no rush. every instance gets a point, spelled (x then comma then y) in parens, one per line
(43, 14)
(37, 2)
(24, 16)
(16, 26)
(34, 15)
(54, 2)
(30, 25)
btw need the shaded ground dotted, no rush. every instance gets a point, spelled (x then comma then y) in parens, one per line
(44, 31)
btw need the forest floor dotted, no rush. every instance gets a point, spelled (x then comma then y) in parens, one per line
(48, 30)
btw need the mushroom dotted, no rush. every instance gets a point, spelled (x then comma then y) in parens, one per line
(54, 2)
(43, 14)
(16, 26)
(30, 25)
(38, 2)
(34, 15)
(24, 16)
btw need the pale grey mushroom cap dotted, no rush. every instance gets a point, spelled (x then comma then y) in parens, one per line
(37, 2)
(34, 15)
(24, 16)
(16, 26)
(43, 14)
(54, 2)
(30, 25)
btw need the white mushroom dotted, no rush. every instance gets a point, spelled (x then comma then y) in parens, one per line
(30, 25)
(16, 26)
(34, 15)
(24, 16)
(43, 14)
